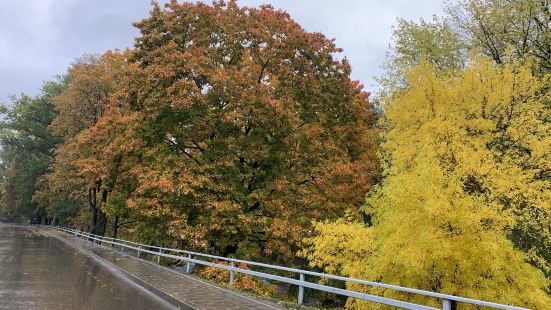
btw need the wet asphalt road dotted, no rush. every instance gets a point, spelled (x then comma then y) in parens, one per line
(38, 271)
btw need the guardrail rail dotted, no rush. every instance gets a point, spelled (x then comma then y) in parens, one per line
(449, 302)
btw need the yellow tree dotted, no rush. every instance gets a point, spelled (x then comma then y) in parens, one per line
(467, 167)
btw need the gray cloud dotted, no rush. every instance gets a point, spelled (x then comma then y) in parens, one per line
(40, 38)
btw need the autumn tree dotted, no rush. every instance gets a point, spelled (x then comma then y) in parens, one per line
(466, 161)
(251, 127)
(508, 32)
(60, 191)
(92, 80)
(452, 193)
(108, 152)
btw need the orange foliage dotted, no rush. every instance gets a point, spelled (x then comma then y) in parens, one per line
(241, 281)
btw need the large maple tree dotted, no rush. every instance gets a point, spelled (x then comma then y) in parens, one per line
(249, 127)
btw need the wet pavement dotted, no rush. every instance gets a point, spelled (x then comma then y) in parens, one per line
(188, 291)
(38, 271)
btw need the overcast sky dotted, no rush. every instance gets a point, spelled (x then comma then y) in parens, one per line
(40, 38)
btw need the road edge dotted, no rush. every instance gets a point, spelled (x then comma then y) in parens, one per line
(136, 282)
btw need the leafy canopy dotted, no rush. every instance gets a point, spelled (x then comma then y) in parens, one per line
(248, 128)
(465, 162)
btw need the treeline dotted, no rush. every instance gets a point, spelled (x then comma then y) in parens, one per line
(225, 129)
(234, 131)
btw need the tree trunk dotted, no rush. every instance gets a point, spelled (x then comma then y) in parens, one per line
(102, 217)
(93, 209)
(98, 221)
(115, 227)
(102, 223)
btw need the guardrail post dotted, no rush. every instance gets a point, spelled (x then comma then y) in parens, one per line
(122, 246)
(139, 251)
(188, 266)
(231, 274)
(159, 256)
(301, 290)
(448, 304)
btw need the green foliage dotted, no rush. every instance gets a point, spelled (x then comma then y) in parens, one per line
(435, 42)
(505, 30)
(27, 145)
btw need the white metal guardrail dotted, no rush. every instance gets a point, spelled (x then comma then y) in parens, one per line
(448, 301)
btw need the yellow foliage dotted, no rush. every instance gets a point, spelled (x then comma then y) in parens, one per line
(464, 189)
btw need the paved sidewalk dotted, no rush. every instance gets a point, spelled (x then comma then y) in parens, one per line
(182, 290)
